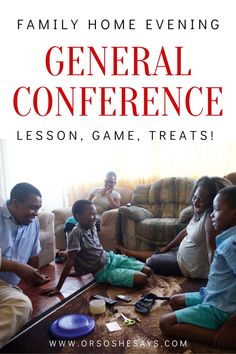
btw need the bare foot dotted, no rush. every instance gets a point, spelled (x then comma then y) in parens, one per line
(122, 249)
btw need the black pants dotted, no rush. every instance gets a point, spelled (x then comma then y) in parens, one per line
(164, 263)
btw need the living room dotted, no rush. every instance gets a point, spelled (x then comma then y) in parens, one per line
(62, 178)
(145, 90)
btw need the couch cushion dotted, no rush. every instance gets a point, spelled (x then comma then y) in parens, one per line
(135, 213)
(169, 196)
(154, 233)
(140, 195)
(125, 193)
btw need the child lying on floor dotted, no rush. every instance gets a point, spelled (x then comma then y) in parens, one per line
(87, 255)
(210, 315)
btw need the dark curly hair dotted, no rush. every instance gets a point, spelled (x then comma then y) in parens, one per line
(22, 191)
(229, 195)
(212, 184)
(79, 206)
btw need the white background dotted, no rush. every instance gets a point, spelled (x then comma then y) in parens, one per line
(209, 53)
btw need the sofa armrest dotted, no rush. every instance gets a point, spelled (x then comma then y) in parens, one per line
(109, 229)
(186, 215)
(46, 236)
(60, 217)
(135, 213)
(107, 217)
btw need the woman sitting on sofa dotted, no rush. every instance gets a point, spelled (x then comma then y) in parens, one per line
(191, 252)
(105, 198)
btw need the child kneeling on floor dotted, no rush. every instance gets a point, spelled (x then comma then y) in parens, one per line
(87, 255)
(210, 315)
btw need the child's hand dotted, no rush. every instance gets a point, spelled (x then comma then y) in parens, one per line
(49, 291)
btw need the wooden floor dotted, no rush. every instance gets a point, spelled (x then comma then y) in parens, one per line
(53, 270)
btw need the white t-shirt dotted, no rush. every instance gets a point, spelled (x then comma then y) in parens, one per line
(192, 255)
(101, 202)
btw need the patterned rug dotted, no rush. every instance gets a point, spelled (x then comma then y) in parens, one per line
(143, 337)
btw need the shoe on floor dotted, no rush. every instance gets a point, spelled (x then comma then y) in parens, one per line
(145, 304)
(59, 259)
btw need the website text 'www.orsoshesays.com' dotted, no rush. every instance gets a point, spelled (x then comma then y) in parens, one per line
(145, 344)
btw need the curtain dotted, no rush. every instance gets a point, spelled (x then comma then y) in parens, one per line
(64, 171)
(4, 170)
(145, 164)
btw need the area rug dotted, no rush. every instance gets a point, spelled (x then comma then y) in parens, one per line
(143, 337)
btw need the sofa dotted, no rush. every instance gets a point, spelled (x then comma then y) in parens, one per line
(154, 217)
(46, 236)
(231, 177)
(109, 223)
(159, 211)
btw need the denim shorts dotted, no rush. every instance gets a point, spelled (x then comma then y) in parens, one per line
(201, 315)
(119, 270)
